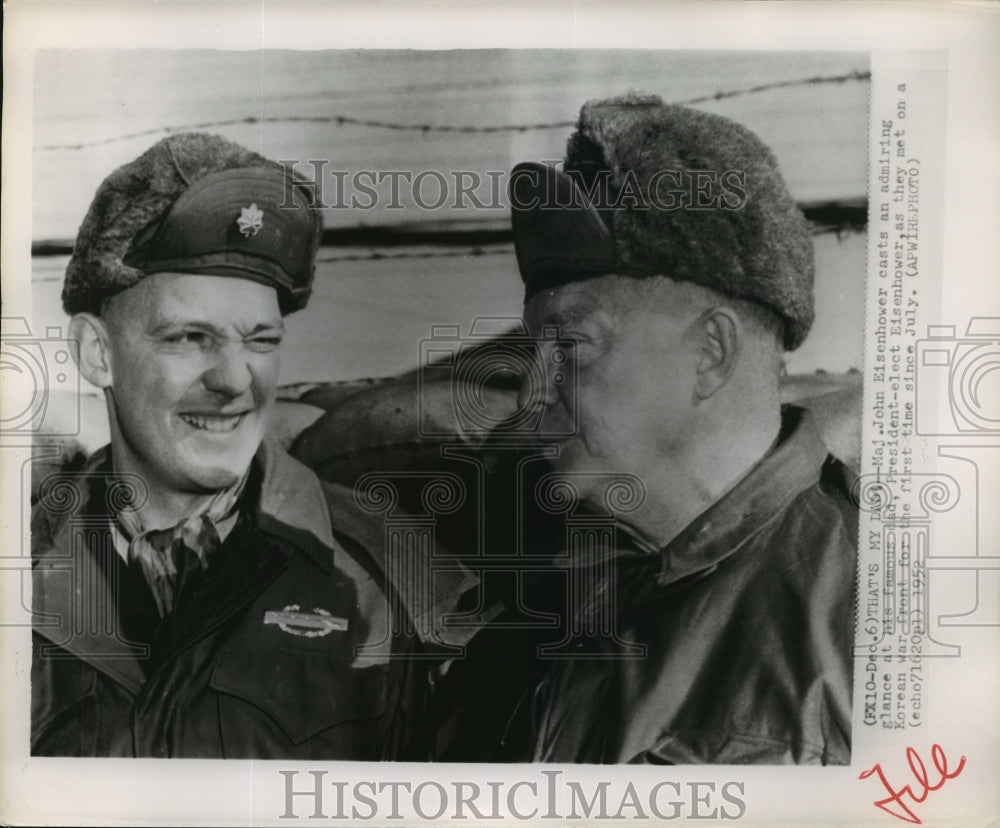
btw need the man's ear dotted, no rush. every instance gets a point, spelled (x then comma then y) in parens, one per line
(93, 356)
(720, 340)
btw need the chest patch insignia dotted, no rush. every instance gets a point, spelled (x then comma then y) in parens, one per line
(313, 624)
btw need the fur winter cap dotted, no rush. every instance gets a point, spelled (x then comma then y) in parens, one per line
(195, 203)
(651, 189)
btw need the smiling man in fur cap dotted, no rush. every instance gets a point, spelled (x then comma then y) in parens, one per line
(203, 594)
(677, 270)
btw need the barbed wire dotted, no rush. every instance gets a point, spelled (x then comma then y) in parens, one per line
(375, 255)
(349, 120)
(65, 249)
(370, 256)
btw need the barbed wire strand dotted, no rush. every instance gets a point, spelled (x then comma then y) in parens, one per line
(348, 120)
(506, 250)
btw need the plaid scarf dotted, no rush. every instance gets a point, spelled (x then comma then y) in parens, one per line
(171, 559)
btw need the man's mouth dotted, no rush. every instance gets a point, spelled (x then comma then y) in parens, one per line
(215, 423)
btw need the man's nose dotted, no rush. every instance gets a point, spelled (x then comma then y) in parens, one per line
(230, 372)
(541, 379)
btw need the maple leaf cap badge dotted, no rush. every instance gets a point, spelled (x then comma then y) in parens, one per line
(250, 221)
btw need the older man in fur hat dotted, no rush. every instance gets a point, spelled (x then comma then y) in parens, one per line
(201, 593)
(677, 270)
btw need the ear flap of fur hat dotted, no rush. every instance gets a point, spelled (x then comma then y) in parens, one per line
(697, 197)
(132, 198)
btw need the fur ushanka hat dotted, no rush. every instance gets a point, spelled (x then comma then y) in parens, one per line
(199, 204)
(651, 189)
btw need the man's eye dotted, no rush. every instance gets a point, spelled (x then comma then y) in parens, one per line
(264, 343)
(186, 338)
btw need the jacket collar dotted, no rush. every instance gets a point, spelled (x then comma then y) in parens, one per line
(293, 505)
(292, 502)
(72, 596)
(792, 466)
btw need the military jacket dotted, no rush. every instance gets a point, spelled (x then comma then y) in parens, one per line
(291, 647)
(730, 645)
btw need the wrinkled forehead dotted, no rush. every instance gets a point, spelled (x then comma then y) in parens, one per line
(222, 302)
(613, 299)
(573, 302)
